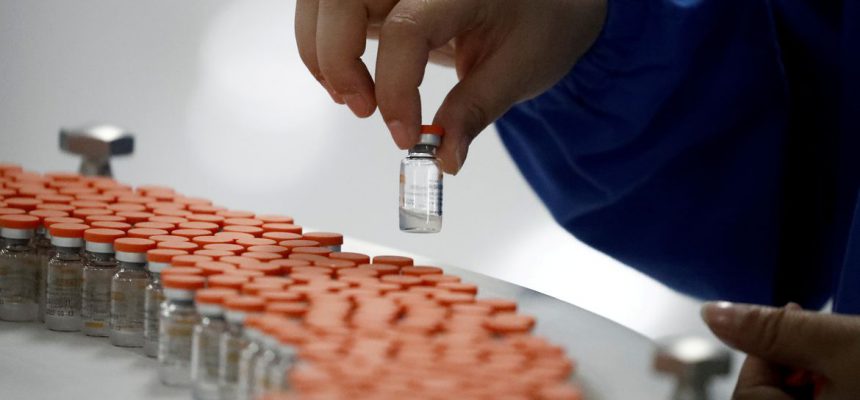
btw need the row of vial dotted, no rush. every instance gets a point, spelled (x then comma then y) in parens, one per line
(108, 285)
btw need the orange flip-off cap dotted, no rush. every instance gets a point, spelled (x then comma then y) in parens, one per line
(288, 309)
(405, 281)
(101, 235)
(335, 264)
(171, 212)
(393, 260)
(433, 130)
(210, 218)
(163, 256)
(187, 246)
(356, 272)
(214, 295)
(262, 256)
(78, 191)
(270, 249)
(291, 244)
(110, 225)
(206, 240)
(181, 270)
(207, 226)
(357, 258)
(123, 207)
(204, 208)
(188, 260)
(19, 222)
(449, 298)
(89, 204)
(168, 238)
(433, 280)
(255, 241)
(510, 323)
(281, 236)
(113, 218)
(66, 230)
(266, 268)
(155, 225)
(134, 217)
(191, 200)
(63, 176)
(421, 270)
(254, 288)
(47, 222)
(235, 214)
(231, 247)
(134, 199)
(42, 214)
(288, 265)
(24, 203)
(252, 230)
(145, 233)
(282, 227)
(103, 198)
(185, 282)
(245, 303)
(9, 168)
(243, 222)
(133, 245)
(325, 238)
(499, 305)
(191, 233)
(311, 250)
(163, 205)
(307, 257)
(227, 281)
(35, 191)
(215, 254)
(54, 206)
(459, 287)
(12, 211)
(284, 282)
(239, 260)
(210, 268)
(275, 219)
(86, 212)
(280, 296)
(53, 198)
(168, 219)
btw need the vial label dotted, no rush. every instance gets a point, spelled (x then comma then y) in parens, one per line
(95, 304)
(423, 198)
(18, 280)
(127, 305)
(175, 339)
(64, 290)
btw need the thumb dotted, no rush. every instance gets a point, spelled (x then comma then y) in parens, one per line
(784, 336)
(483, 95)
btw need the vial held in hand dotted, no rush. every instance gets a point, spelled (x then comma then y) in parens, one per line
(421, 184)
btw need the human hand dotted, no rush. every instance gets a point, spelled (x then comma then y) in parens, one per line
(504, 51)
(781, 341)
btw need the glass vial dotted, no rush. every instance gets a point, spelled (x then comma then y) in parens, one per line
(158, 260)
(249, 356)
(44, 250)
(127, 292)
(99, 267)
(205, 341)
(421, 184)
(233, 342)
(19, 296)
(176, 328)
(65, 276)
(289, 335)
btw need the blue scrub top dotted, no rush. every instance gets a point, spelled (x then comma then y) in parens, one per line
(711, 144)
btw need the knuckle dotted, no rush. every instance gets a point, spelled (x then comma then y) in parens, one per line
(767, 329)
(401, 24)
(477, 115)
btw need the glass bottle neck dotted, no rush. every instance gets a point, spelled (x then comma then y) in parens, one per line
(130, 265)
(16, 244)
(101, 257)
(423, 150)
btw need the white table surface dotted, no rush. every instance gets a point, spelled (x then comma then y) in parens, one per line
(613, 362)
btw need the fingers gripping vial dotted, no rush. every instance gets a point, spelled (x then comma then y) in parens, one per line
(421, 184)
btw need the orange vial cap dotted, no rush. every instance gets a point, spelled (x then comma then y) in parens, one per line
(214, 295)
(61, 220)
(215, 254)
(267, 268)
(282, 227)
(100, 235)
(155, 225)
(191, 233)
(233, 248)
(168, 219)
(393, 260)
(437, 130)
(210, 218)
(54, 206)
(87, 212)
(185, 282)
(510, 323)
(234, 214)
(168, 238)
(122, 207)
(134, 217)
(357, 258)
(245, 303)
(421, 270)
(234, 235)
(12, 211)
(55, 198)
(252, 230)
(187, 246)
(311, 250)
(42, 214)
(204, 208)
(114, 218)
(189, 260)
(269, 249)
(250, 242)
(19, 221)
(275, 219)
(122, 226)
(281, 236)
(227, 281)
(181, 270)
(132, 245)
(262, 256)
(163, 255)
(75, 231)
(145, 233)
(171, 212)
(24, 203)
(210, 268)
(325, 238)
(288, 265)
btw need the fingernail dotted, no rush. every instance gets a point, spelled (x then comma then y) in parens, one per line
(722, 317)
(398, 133)
(793, 306)
(460, 154)
(357, 104)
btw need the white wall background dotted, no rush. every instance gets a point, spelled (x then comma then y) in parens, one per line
(223, 108)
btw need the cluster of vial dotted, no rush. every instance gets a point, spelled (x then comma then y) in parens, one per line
(236, 305)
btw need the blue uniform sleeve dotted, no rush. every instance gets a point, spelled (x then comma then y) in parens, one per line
(662, 146)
